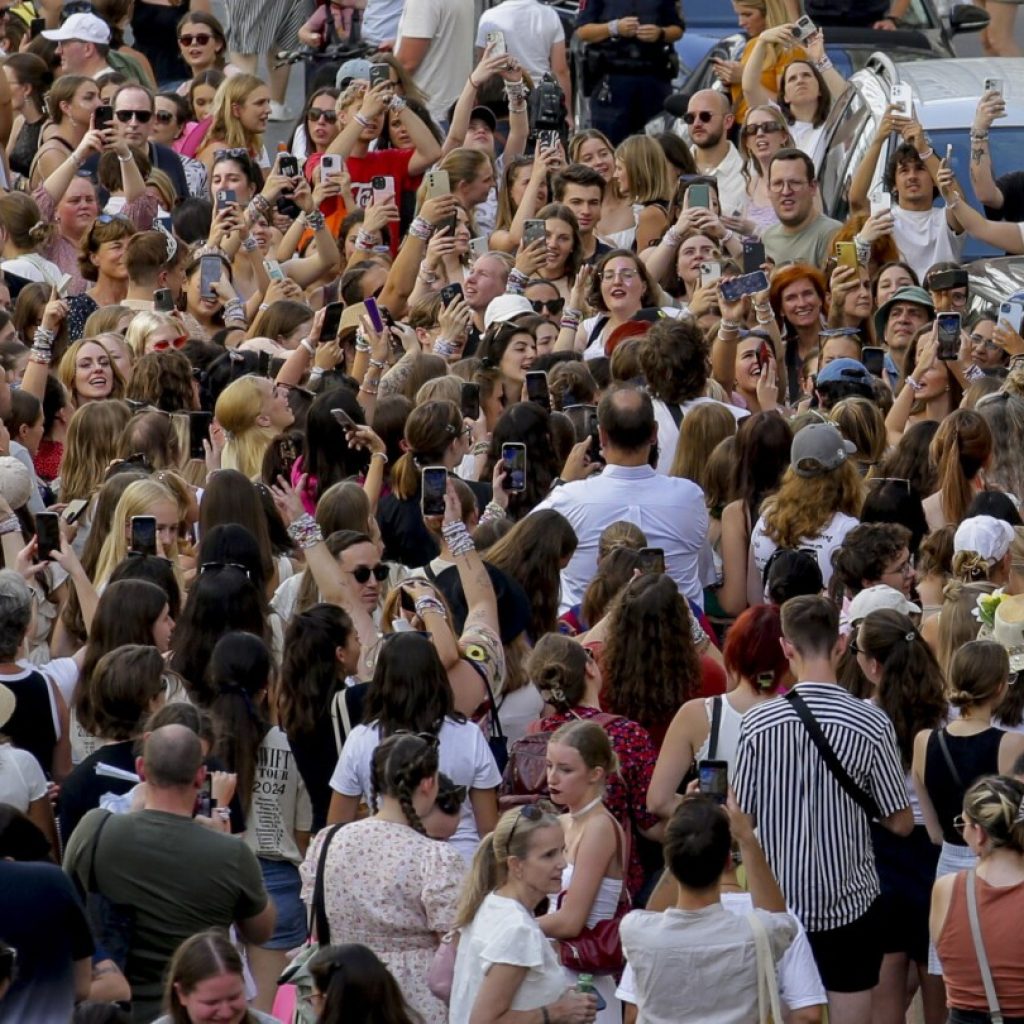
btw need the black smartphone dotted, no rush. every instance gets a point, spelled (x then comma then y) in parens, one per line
(226, 197)
(945, 280)
(947, 329)
(73, 512)
(449, 293)
(513, 455)
(288, 165)
(343, 419)
(537, 388)
(373, 312)
(332, 321)
(143, 535)
(435, 483)
(873, 359)
(204, 798)
(103, 117)
(210, 271)
(36, 26)
(47, 534)
(470, 400)
(379, 73)
(753, 256)
(714, 779)
(198, 432)
(163, 301)
(652, 560)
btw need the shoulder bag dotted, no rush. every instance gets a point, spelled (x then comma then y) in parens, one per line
(994, 1012)
(863, 800)
(112, 924)
(769, 1007)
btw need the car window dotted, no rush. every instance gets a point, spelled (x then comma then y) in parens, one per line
(851, 137)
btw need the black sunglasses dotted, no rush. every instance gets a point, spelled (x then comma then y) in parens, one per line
(200, 39)
(380, 572)
(531, 812)
(553, 306)
(765, 128)
(164, 116)
(316, 114)
(702, 115)
(142, 116)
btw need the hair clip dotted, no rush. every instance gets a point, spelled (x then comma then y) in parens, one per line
(910, 637)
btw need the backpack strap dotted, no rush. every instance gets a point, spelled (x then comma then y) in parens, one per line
(716, 722)
(90, 885)
(340, 719)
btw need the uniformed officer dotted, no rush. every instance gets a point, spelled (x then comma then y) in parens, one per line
(629, 60)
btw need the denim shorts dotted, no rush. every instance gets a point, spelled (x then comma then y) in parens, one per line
(281, 878)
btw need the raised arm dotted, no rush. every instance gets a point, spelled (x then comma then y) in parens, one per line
(1003, 235)
(508, 240)
(41, 355)
(327, 259)
(754, 92)
(815, 47)
(860, 184)
(990, 107)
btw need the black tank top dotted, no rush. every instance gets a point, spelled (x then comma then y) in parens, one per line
(972, 756)
(31, 726)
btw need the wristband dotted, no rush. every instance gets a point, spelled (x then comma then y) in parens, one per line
(914, 385)
(491, 512)
(481, 448)
(727, 236)
(929, 152)
(397, 103)
(430, 604)
(308, 346)
(315, 374)
(125, 159)
(457, 538)
(261, 203)
(515, 90)
(379, 455)
(672, 238)
(10, 524)
(250, 244)
(517, 282)
(305, 531)
(378, 364)
(421, 229)
(863, 250)
(43, 337)
(979, 136)
(729, 325)
(364, 241)
(824, 64)
(365, 122)
(443, 347)
(316, 220)
(613, 32)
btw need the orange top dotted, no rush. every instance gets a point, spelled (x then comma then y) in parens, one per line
(771, 76)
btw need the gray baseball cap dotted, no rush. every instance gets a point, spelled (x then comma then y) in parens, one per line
(818, 449)
(350, 71)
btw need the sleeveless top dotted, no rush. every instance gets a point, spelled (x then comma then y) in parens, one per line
(606, 901)
(25, 148)
(728, 739)
(972, 756)
(31, 726)
(155, 28)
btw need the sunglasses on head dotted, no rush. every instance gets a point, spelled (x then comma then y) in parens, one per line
(553, 306)
(379, 572)
(701, 115)
(200, 39)
(531, 812)
(236, 153)
(211, 566)
(110, 218)
(765, 128)
(142, 116)
(316, 114)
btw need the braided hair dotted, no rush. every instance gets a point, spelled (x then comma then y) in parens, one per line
(400, 763)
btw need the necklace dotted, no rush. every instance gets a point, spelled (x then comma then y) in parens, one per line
(575, 815)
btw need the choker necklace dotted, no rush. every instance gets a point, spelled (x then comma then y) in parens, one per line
(586, 810)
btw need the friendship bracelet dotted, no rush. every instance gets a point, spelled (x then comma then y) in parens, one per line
(125, 159)
(457, 538)
(261, 203)
(364, 122)
(492, 512)
(378, 364)
(305, 531)
(914, 385)
(397, 103)
(308, 346)
(316, 220)
(10, 524)
(428, 604)
(729, 325)
(979, 136)
(44, 337)
(481, 448)
(444, 347)
(365, 241)
(673, 238)
(927, 154)
(824, 64)
(250, 244)
(421, 229)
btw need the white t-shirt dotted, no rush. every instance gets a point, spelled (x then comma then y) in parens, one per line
(464, 757)
(280, 803)
(924, 238)
(449, 25)
(830, 537)
(504, 932)
(531, 30)
(807, 137)
(21, 778)
(668, 432)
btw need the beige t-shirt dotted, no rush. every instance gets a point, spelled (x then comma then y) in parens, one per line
(280, 803)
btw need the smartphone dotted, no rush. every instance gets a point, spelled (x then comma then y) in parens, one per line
(332, 321)
(343, 419)
(373, 312)
(73, 512)
(163, 301)
(449, 293)
(881, 202)
(846, 255)
(478, 247)
(873, 359)
(379, 74)
(902, 98)
(534, 231)
(198, 432)
(714, 779)
(204, 798)
(438, 184)
(330, 165)
(946, 280)
(210, 271)
(103, 117)
(753, 256)
(537, 388)
(548, 139)
(948, 333)
(496, 41)
(710, 272)
(288, 165)
(143, 535)
(734, 288)
(513, 455)
(435, 483)
(579, 417)
(1012, 313)
(226, 197)
(470, 400)
(383, 188)
(699, 195)
(47, 534)
(273, 269)
(36, 26)
(763, 354)
(804, 29)
(652, 560)
(991, 84)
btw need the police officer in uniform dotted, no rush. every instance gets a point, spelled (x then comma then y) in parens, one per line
(629, 60)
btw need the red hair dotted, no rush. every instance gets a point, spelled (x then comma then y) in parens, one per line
(752, 649)
(785, 276)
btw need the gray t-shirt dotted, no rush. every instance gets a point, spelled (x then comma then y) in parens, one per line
(807, 246)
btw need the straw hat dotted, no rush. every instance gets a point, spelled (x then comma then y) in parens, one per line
(1008, 629)
(7, 703)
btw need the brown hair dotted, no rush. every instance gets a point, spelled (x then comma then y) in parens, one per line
(400, 763)
(977, 672)
(960, 448)
(591, 742)
(429, 431)
(802, 506)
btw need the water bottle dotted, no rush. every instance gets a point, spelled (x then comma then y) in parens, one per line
(585, 985)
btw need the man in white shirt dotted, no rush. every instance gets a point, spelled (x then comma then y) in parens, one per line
(670, 510)
(709, 117)
(435, 45)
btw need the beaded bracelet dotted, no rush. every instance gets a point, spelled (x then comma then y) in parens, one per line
(261, 203)
(378, 364)
(444, 348)
(730, 326)
(44, 337)
(397, 103)
(250, 244)
(457, 538)
(914, 385)
(492, 512)
(365, 241)
(305, 531)
(421, 229)
(430, 605)
(824, 64)
(516, 90)
(10, 524)
(481, 448)
(364, 122)
(672, 238)
(316, 220)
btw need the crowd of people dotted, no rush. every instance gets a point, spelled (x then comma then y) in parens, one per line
(470, 566)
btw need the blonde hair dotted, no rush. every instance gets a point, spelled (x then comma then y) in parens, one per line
(802, 506)
(775, 14)
(226, 126)
(647, 169)
(239, 406)
(89, 447)
(961, 448)
(957, 624)
(105, 319)
(21, 219)
(440, 389)
(66, 370)
(142, 326)
(620, 534)
(995, 803)
(861, 422)
(702, 429)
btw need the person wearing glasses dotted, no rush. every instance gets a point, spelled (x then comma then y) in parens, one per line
(709, 120)
(203, 48)
(803, 234)
(318, 126)
(764, 133)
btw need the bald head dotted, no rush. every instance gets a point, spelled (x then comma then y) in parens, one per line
(626, 417)
(710, 99)
(708, 118)
(172, 757)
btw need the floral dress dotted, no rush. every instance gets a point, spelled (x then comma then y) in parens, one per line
(394, 890)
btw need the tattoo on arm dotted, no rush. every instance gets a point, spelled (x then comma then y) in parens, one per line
(977, 155)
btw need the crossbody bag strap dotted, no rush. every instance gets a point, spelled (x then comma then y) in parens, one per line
(767, 976)
(93, 847)
(864, 800)
(677, 413)
(340, 719)
(323, 927)
(496, 732)
(716, 723)
(940, 735)
(979, 949)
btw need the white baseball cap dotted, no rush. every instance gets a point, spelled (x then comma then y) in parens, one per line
(503, 308)
(86, 28)
(989, 537)
(873, 599)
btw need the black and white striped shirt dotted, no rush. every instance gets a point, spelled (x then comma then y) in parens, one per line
(816, 838)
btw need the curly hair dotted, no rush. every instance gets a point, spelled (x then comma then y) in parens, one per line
(594, 297)
(804, 505)
(571, 383)
(674, 358)
(866, 551)
(526, 423)
(650, 663)
(162, 380)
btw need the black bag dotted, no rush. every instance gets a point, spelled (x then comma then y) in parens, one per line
(112, 924)
(496, 739)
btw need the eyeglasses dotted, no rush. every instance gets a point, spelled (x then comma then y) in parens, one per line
(890, 480)
(960, 822)
(853, 646)
(763, 128)
(316, 114)
(200, 39)
(903, 569)
(379, 572)
(787, 185)
(164, 116)
(977, 339)
(142, 116)
(553, 306)
(164, 344)
(701, 115)
(625, 276)
(531, 812)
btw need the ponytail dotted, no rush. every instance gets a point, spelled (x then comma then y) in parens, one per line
(960, 448)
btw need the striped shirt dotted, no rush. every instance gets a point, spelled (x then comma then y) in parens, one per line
(815, 837)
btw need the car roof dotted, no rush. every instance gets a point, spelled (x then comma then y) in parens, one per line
(946, 92)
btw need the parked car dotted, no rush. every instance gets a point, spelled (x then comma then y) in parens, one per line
(994, 280)
(946, 94)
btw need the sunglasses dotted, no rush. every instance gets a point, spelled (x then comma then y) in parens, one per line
(111, 218)
(164, 345)
(142, 116)
(200, 39)
(316, 114)
(379, 572)
(553, 306)
(531, 812)
(702, 115)
(237, 153)
(164, 117)
(765, 128)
